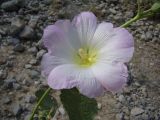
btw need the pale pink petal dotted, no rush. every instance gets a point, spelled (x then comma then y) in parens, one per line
(69, 76)
(49, 62)
(102, 34)
(88, 85)
(55, 41)
(115, 44)
(86, 23)
(70, 32)
(119, 55)
(112, 76)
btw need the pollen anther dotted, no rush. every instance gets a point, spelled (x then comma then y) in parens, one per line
(86, 57)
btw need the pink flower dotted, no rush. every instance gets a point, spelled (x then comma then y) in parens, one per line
(86, 55)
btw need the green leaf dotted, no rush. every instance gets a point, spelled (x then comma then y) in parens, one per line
(48, 106)
(78, 107)
(156, 6)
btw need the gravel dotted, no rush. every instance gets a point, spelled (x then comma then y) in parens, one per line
(12, 5)
(27, 33)
(17, 24)
(136, 111)
(13, 41)
(21, 30)
(16, 109)
(19, 48)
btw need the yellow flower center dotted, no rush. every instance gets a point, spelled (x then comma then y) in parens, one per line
(85, 58)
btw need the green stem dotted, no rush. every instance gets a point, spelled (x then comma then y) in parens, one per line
(49, 114)
(137, 17)
(147, 11)
(139, 7)
(39, 102)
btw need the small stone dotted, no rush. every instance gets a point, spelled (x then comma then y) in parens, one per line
(144, 91)
(121, 98)
(113, 11)
(137, 84)
(27, 117)
(119, 116)
(99, 106)
(27, 82)
(117, 18)
(33, 50)
(3, 74)
(33, 62)
(9, 63)
(27, 33)
(13, 5)
(6, 100)
(129, 14)
(30, 98)
(40, 54)
(134, 97)
(61, 110)
(136, 111)
(3, 31)
(16, 86)
(126, 90)
(37, 82)
(40, 44)
(62, 14)
(48, 2)
(143, 37)
(97, 118)
(2, 60)
(126, 117)
(58, 4)
(149, 35)
(33, 21)
(118, 105)
(9, 83)
(16, 108)
(17, 25)
(28, 66)
(13, 41)
(34, 74)
(19, 48)
(125, 109)
(145, 117)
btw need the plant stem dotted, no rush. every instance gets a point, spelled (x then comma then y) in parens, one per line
(139, 7)
(39, 102)
(49, 114)
(140, 15)
(137, 17)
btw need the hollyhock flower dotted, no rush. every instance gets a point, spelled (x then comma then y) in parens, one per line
(86, 55)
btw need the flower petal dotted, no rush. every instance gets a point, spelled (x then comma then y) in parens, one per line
(49, 62)
(115, 44)
(88, 85)
(112, 76)
(70, 32)
(102, 33)
(56, 43)
(69, 76)
(86, 24)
